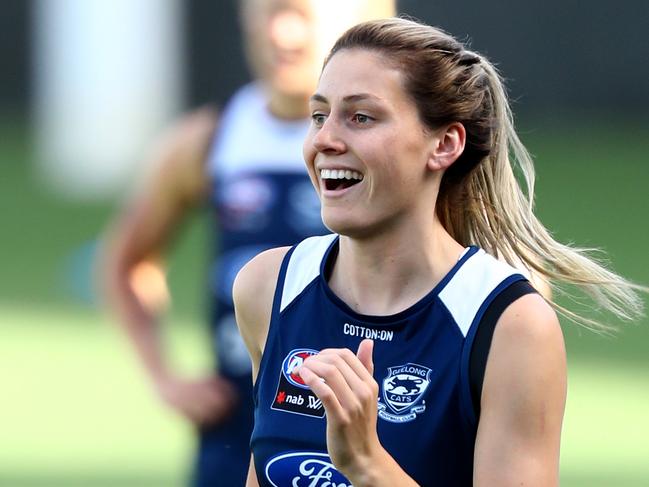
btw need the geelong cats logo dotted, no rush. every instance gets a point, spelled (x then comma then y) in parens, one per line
(304, 469)
(403, 390)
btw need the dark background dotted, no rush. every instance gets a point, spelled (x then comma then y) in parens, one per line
(560, 57)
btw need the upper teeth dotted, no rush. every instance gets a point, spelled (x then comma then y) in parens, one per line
(340, 174)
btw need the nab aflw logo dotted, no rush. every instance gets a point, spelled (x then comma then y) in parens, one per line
(304, 469)
(293, 395)
(314, 403)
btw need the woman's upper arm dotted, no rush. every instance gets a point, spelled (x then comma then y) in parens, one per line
(173, 183)
(253, 293)
(523, 399)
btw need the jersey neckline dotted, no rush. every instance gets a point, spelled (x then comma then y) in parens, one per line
(401, 315)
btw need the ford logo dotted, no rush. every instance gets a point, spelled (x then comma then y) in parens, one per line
(304, 469)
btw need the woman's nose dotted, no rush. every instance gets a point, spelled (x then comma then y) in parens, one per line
(328, 138)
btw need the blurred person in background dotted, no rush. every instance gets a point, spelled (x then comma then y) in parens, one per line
(247, 164)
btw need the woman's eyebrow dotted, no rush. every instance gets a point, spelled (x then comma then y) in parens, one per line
(347, 99)
(318, 98)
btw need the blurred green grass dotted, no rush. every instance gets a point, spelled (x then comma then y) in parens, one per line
(77, 410)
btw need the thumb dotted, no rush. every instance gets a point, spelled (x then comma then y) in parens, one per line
(364, 354)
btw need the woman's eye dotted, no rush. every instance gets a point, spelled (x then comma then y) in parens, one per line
(361, 118)
(318, 118)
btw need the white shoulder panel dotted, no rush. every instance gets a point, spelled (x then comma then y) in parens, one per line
(471, 285)
(304, 267)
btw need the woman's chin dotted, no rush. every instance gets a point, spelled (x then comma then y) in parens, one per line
(350, 227)
(341, 224)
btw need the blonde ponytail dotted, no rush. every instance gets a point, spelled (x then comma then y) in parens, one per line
(502, 221)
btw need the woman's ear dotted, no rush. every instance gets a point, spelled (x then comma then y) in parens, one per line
(447, 145)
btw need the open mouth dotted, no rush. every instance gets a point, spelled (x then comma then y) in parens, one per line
(337, 179)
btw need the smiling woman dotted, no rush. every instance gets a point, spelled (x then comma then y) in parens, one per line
(371, 128)
(463, 380)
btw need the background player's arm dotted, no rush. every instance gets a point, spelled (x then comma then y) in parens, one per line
(523, 399)
(133, 274)
(253, 292)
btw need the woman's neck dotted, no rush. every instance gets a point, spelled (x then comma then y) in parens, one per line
(389, 273)
(286, 107)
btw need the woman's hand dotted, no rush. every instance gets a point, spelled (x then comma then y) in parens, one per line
(344, 383)
(206, 401)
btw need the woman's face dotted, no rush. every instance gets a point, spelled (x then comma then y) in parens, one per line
(366, 149)
(281, 44)
(287, 40)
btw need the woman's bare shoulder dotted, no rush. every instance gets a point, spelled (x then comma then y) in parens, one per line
(523, 398)
(253, 292)
(530, 319)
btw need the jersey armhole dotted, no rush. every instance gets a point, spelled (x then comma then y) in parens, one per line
(277, 298)
(484, 335)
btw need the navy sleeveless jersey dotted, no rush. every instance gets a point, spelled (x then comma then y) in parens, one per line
(421, 358)
(262, 197)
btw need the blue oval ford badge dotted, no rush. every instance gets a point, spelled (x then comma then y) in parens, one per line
(304, 469)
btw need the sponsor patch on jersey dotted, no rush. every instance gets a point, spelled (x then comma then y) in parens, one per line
(292, 361)
(402, 391)
(366, 332)
(304, 469)
(293, 395)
